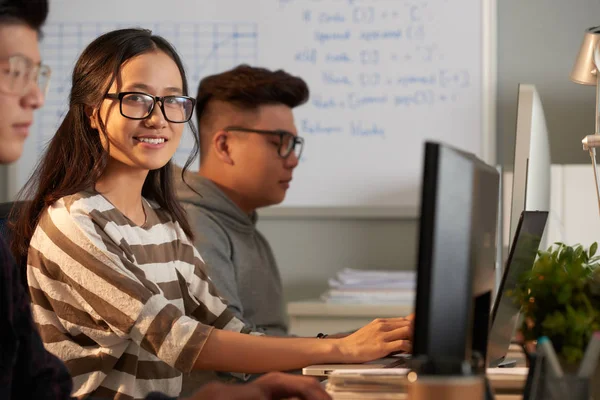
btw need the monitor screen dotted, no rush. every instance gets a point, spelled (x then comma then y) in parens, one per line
(456, 260)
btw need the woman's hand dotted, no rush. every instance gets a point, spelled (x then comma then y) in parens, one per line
(378, 339)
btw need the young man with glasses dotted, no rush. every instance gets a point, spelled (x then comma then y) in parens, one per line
(249, 148)
(20, 70)
(27, 371)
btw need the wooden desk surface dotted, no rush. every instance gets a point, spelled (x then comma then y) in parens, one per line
(506, 386)
(403, 396)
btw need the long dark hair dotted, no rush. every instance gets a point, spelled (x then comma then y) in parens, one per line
(75, 159)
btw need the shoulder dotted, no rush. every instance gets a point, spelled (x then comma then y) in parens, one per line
(70, 217)
(210, 234)
(204, 222)
(73, 210)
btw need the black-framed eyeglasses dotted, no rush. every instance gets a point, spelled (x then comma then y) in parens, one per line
(288, 142)
(139, 105)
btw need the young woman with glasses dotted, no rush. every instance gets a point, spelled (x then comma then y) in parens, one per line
(119, 293)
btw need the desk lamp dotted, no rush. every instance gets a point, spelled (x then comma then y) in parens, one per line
(585, 72)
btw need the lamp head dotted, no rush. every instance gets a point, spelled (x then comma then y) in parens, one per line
(585, 70)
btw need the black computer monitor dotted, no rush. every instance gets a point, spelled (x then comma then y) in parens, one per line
(456, 262)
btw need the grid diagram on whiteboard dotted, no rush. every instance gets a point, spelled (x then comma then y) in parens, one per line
(205, 47)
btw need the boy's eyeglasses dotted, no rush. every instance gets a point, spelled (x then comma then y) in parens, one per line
(18, 72)
(288, 142)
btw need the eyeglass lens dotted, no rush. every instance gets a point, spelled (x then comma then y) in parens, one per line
(176, 108)
(18, 73)
(289, 144)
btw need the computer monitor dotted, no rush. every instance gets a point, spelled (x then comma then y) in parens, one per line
(531, 173)
(505, 313)
(456, 261)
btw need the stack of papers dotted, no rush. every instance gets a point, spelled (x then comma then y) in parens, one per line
(381, 383)
(353, 286)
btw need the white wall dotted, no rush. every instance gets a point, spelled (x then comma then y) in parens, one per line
(309, 251)
(574, 216)
(538, 41)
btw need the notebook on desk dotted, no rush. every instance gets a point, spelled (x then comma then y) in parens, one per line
(504, 316)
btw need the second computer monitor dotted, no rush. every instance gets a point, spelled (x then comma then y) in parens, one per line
(531, 174)
(456, 261)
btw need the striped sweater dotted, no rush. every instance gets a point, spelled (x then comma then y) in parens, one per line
(126, 307)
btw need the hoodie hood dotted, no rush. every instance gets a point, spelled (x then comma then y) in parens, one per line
(212, 199)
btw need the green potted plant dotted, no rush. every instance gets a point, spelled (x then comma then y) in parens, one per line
(560, 298)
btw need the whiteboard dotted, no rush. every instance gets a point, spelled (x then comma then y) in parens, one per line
(384, 76)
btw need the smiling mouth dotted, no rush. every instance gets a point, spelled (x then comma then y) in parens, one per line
(151, 140)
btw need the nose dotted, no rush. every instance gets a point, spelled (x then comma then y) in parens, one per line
(292, 160)
(156, 119)
(33, 97)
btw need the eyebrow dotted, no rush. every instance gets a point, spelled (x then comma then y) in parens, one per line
(38, 63)
(142, 86)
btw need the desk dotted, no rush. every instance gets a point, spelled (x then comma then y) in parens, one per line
(308, 318)
(497, 397)
(516, 383)
(507, 383)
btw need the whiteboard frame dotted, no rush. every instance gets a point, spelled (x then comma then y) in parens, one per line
(488, 142)
(342, 212)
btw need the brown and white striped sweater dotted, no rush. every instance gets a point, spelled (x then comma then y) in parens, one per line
(128, 308)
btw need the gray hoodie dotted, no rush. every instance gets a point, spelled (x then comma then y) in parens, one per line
(239, 259)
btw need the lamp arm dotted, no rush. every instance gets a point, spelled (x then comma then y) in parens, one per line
(596, 181)
(597, 110)
(590, 142)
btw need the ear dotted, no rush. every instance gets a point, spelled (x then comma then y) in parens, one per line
(221, 143)
(92, 114)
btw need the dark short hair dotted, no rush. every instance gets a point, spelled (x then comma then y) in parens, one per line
(32, 13)
(250, 87)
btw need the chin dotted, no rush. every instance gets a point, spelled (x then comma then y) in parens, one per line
(154, 164)
(10, 154)
(274, 200)
(154, 167)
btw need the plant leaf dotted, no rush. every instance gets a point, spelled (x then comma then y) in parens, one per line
(593, 249)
